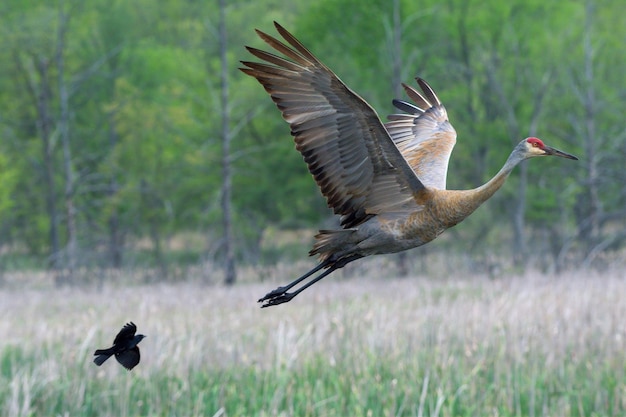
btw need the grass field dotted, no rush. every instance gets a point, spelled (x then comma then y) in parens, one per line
(519, 346)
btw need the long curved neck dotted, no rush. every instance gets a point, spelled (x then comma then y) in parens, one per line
(455, 205)
(485, 191)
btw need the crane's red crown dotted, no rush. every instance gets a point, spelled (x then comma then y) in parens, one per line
(536, 142)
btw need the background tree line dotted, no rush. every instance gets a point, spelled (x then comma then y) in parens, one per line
(112, 125)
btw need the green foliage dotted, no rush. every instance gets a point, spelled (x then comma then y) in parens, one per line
(144, 102)
(321, 388)
(8, 181)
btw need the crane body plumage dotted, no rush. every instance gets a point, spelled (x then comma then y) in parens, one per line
(387, 181)
(435, 211)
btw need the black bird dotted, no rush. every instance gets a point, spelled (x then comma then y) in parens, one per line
(124, 348)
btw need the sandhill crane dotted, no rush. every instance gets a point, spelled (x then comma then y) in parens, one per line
(386, 181)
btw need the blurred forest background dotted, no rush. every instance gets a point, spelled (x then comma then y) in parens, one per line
(129, 139)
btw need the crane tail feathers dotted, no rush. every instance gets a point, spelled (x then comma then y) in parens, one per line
(332, 242)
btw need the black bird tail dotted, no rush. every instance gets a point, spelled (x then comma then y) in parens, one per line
(102, 355)
(99, 360)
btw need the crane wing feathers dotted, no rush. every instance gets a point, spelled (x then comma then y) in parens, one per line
(417, 97)
(274, 59)
(301, 55)
(406, 107)
(429, 92)
(424, 135)
(351, 156)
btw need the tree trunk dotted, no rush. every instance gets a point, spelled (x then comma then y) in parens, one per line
(115, 243)
(229, 257)
(594, 205)
(150, 203)
(42, 94)
(519, 213)
(396, 48)
(70, 256)
(395, 36)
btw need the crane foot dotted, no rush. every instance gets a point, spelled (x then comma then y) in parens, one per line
(273, 294)
(277, 299)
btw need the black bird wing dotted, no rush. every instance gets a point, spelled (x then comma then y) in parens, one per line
(349, 152)
(129, 358)
(125, 335)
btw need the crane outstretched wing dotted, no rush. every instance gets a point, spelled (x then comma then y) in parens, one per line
(424, 135)
(351, 156)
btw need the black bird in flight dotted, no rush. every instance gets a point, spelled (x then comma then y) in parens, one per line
(124, 348)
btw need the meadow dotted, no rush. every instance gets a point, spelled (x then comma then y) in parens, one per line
(531, 345)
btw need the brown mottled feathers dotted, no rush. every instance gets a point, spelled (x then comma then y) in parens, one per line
(348, 150)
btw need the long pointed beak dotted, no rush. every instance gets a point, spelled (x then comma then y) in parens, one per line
(555, 152)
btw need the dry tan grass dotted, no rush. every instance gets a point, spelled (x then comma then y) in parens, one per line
(219, 326)
(565, 319)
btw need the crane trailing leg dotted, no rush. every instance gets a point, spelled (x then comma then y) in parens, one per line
(280, 294)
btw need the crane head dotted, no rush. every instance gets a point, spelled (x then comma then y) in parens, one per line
(536, 147)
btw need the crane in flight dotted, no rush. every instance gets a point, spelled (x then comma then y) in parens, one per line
(387, 181)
